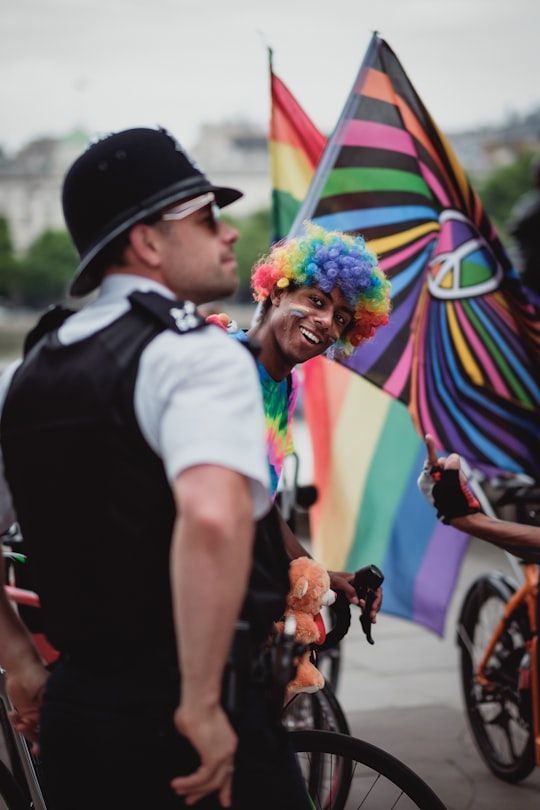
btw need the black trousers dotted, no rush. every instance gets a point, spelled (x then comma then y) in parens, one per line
(108, 743)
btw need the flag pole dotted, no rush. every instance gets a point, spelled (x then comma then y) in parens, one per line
(328, 157)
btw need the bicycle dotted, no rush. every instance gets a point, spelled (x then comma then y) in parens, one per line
(497, 635)
(341, 772)
(20, 787)
(321, 709)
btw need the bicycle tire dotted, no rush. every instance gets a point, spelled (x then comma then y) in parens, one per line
(315, 710)
(11, 796)
(499, 719)
(372, 778)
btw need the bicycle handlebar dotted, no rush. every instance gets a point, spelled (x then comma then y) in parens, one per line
(366, 581)
(21, 596)
(341, 612)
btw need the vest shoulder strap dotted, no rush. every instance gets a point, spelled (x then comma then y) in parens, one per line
(51, 320)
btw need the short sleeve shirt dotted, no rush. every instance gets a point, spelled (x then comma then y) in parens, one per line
(189, 403)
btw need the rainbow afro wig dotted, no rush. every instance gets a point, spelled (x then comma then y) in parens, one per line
(328, 259)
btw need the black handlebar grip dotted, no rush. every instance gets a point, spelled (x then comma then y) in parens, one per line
(365, 582)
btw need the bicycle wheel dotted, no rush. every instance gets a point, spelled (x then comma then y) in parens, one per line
(344, 773)
(500, 720)
(319, 710)
(11, 796)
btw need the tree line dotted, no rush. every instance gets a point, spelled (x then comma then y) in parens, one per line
(41, 277)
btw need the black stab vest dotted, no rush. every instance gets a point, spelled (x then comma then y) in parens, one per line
(92, 497)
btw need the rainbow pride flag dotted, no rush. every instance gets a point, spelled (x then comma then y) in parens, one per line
(366, 452)
(367, 457)
(296, 146)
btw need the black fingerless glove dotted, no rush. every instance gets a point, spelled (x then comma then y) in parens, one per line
(452, 497)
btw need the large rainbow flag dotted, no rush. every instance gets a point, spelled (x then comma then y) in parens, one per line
(366, 452)
(367, 457)
(462, 350)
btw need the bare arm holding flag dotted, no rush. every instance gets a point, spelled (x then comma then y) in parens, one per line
(446, 487)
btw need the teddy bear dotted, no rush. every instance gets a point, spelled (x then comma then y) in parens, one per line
(309, 593)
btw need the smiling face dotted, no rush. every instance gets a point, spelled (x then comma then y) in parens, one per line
(300, 324)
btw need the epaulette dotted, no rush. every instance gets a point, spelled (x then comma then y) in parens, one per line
(180, 316)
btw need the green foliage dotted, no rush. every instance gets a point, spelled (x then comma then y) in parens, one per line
(502, 189)
(42, 277)
(46, 270)
(8, 262)
(253, 243)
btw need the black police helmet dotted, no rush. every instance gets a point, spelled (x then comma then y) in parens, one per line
(120, 180)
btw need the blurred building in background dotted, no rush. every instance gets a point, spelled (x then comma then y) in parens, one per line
(231, 153)
(30, 184)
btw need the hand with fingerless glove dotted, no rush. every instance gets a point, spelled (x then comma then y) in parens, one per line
(452, 497)
(445, 487)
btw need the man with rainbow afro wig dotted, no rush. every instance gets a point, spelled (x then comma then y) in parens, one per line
(319, 293)
(342, 268)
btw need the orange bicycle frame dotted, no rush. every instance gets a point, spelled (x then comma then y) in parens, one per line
(528, 594)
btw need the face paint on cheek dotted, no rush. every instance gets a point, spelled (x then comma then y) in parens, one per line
(299, 311)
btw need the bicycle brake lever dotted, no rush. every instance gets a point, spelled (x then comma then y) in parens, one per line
(365, 582)
(365, 618)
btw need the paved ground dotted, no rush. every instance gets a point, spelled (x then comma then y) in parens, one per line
(403, 694)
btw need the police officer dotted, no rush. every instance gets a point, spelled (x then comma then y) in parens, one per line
(133, 451)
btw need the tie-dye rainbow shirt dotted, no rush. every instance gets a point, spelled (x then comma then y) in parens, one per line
(279, 400)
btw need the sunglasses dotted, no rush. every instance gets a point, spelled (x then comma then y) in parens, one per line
(193, 205)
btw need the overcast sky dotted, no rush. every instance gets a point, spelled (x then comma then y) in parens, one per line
(104, 65)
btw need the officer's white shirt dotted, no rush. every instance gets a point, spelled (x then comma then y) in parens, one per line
(197, 395)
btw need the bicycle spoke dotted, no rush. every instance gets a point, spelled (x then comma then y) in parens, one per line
(500, 723)
(344, 773)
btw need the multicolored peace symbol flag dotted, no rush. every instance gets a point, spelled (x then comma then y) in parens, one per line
(462, 350)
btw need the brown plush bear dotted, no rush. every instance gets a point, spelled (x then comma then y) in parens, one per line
(309, 593)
